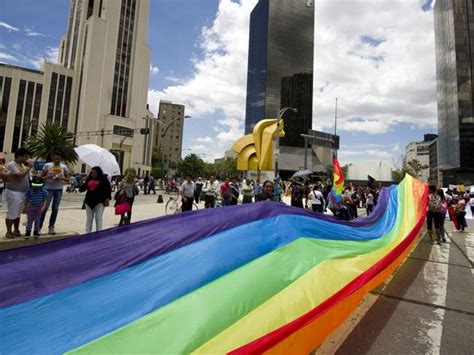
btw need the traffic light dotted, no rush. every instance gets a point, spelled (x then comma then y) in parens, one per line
(144, 131)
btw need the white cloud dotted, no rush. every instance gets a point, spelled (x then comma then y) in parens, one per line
(50, 55)
(7, 57)
(154, 70)
(205, 139)
(8, 27)
(30, 32)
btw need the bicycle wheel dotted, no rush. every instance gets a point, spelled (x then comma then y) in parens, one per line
(171, 207)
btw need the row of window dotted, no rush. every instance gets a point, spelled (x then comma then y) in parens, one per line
(59, 99)
(123, 58)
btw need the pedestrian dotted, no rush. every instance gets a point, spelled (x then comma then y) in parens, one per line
(443, 208)
(126, 193)
(257, 189)
(226, 192)
(369, 202)
(17, 185)
(267, 192)
(198, 191)
(211, 190)
(3, 177)
(460, 211)
(317, 199)
(151, 185)
(432, 216)
(36, 202)
(235, 192)
(276, 190)
(54, 175)
(187, 194)
(146, 182)
(98, 197)
(297, 194)
(247, 192)
(471, 203)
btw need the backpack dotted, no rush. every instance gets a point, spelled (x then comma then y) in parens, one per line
(434, 203)
(443, 207)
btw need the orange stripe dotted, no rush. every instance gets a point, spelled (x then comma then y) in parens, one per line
(312, 335)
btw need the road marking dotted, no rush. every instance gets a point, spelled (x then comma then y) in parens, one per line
(436, 277)
(469, 242)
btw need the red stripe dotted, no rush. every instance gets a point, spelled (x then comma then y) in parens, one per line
(271, 339)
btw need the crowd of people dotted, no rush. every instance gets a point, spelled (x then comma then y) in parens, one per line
(450, 203)
(34, 193)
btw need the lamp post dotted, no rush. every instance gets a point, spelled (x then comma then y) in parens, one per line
(277, 140)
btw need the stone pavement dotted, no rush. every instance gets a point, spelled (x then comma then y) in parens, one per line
(426, 308)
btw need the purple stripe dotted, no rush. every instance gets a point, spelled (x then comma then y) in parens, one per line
(46, 268)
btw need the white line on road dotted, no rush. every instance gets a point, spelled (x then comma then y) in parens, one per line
(436, 277)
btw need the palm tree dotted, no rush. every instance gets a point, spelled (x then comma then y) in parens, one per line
(53, 138)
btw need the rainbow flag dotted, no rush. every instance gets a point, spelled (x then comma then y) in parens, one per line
(240, 279)
(338, 182)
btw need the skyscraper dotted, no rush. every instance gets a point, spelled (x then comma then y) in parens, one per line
(454, 35)
(171, 144)
(280, 65)
(99, 88)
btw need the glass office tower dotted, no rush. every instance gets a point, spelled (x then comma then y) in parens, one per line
(280, 66)
(454, 35)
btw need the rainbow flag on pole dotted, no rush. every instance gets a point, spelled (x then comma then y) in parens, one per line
(338, 184)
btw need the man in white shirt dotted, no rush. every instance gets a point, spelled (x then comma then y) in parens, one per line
(211, 190)
(317, 199)
(187, 193)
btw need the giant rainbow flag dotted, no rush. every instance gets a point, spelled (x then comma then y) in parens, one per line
(254, 278)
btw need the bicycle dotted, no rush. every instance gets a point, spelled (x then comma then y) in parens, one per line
(174, 205)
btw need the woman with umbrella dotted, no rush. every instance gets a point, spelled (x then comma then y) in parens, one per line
(98, 196)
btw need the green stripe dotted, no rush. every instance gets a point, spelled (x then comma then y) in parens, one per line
(189, 322)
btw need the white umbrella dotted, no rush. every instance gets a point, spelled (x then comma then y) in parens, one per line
(94, 155)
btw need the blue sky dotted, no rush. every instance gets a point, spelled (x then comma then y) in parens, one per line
(377, 58)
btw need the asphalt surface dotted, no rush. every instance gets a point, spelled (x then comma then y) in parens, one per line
(428, 305)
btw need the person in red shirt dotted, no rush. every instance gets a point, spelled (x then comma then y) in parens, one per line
(226, 192)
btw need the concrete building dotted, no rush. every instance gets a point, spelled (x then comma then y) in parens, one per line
(434, 175)
(454, 39)
(420, 151)
(98, 89)
(169, 133)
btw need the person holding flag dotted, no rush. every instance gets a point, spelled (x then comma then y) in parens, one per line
(335, 196)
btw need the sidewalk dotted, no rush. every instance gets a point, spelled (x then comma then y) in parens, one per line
(426, 308)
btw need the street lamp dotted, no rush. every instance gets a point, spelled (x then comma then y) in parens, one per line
(277, 140)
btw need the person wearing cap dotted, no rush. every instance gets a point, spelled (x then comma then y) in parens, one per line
(36, 202)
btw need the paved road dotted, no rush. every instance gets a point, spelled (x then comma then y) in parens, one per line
(428, 306)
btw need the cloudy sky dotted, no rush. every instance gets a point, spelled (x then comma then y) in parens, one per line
(376, 56)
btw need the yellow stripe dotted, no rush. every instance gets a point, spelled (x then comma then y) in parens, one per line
(313, 288)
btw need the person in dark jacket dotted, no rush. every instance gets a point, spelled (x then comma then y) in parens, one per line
(98, 196)
(267, 192)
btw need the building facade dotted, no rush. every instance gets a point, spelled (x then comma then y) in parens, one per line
(454, 38)
(169, 133)
(98, 89)
(420, 151)
(280, 65)
(434, 178)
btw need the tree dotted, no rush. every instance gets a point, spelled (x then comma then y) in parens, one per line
(53, 138)
(191, 165)
(416, 167)
(223, 168)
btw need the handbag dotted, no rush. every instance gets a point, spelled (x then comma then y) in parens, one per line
(123, 208)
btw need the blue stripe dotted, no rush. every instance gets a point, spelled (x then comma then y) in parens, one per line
(72, 317)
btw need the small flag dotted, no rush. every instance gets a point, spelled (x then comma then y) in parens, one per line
(338, 184)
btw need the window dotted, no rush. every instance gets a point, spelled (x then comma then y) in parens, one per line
(4, 109)
(18, 115)
(52, 96)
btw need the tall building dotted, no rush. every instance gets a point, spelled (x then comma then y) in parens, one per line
(280, 65)
(454, 38)
(98, 89)
(169, 135)
(420, 151)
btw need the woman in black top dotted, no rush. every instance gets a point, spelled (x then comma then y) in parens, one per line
(98, 196)
(267, 191)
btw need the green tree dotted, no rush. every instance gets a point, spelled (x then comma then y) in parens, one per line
(223, 168)
(50, 138)
(157, 173)
(191, 165)
(415, 167)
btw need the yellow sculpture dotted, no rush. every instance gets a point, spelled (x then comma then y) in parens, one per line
(255, 150)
